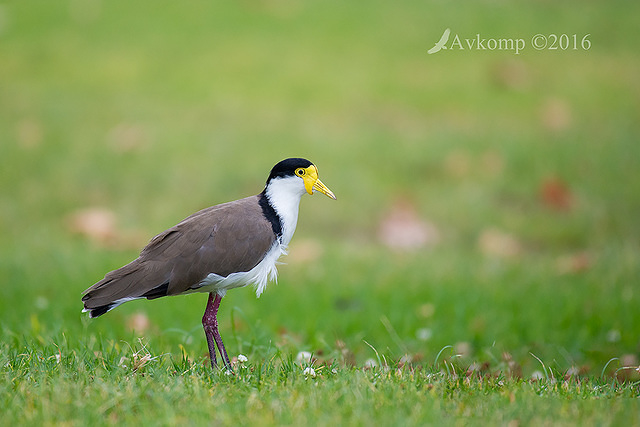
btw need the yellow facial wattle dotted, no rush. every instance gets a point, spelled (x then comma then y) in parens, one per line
(311, 181)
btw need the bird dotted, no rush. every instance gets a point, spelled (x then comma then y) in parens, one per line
(440, 45)
(216, 249)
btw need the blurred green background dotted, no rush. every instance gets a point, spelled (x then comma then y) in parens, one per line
(486, 200)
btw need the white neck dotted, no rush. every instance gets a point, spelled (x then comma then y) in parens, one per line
(284, 196)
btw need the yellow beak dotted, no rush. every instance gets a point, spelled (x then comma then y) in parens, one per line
(312, 182)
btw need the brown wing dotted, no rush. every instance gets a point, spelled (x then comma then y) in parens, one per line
(222, 239)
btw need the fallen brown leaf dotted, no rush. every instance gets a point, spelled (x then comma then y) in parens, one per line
(499, 243)
(97, 224)
(403, 229)
(138, 323)
(555, 194)
(573, 263)
(556, 115)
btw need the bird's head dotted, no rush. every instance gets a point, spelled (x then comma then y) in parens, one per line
(299, 174)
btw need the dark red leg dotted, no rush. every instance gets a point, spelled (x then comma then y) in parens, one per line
(210, 324)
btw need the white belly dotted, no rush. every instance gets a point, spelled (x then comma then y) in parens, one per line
(258, 276)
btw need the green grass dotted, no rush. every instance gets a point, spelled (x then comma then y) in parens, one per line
(124, 384)
(153, 110)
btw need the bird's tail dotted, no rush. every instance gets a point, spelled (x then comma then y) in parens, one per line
(135, 280)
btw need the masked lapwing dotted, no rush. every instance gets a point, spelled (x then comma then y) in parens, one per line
(216, 249)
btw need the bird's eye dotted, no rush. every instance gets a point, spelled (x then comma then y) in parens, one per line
(300, 172)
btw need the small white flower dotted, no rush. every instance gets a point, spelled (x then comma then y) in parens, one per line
(537, 376)
(370, 363)
(309, 372)
(613, 335)
(303, 357)
(424, 334)
(242, 358)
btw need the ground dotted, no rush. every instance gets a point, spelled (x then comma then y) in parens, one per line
(481, 261)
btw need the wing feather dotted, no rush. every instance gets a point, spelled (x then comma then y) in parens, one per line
(222, 239)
